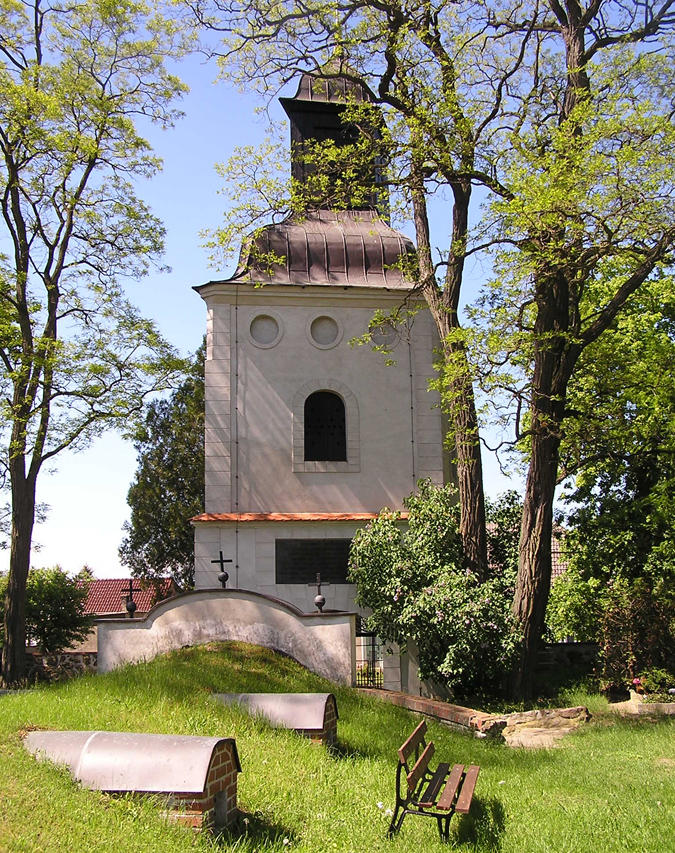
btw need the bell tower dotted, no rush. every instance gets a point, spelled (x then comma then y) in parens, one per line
(316, 114)
(308, 435)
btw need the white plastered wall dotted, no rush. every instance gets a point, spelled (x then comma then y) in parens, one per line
(251, 546)
(394, 428)
(250, 392)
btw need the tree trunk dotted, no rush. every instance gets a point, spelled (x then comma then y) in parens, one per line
(534, 556)
(23, 518)
(553, 364)
(462, 409)
(460, 400)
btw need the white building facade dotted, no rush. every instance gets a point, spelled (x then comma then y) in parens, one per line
(309, 434)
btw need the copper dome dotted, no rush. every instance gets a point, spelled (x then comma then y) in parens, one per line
(352, 248)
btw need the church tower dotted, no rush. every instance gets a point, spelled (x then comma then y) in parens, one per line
(308, 436)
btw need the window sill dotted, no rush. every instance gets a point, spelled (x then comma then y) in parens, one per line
(326, 467)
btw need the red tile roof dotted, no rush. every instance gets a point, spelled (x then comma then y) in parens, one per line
(107, 596)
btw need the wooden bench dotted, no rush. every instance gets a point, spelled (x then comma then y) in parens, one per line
(435, 793)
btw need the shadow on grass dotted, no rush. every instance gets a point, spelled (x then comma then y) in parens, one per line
(484, 827)
(343, 751)
(255, 832)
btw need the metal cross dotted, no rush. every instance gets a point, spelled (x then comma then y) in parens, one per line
(131, 604)
(223, 576)
(319, 600)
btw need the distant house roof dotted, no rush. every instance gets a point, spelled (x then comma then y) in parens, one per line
(107, 596)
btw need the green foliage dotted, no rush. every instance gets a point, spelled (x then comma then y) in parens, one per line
(575, 607)
(416, 584)
(77, 80)
(168, 487)
(54, 607)
(637, 630)
(503, 517)
(657, 684)
(619, 442)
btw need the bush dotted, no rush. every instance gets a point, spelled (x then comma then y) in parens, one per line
(418, 589)
(656, 685)
(575, 608)
(637, 631)
(54, 608)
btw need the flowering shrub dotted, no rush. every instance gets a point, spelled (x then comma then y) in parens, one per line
(657, 685)
(418, 588)
(637, 631)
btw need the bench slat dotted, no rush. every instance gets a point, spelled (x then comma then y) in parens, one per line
(450, 790)
(420, 767)
(465, 795)
(432, 791)
(413, 742)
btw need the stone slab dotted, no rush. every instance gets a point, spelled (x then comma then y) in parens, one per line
(538, 728)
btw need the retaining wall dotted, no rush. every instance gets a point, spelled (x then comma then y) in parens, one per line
(323, 642)
(59, 666)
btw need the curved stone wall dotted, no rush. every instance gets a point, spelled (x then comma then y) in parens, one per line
(323, 642)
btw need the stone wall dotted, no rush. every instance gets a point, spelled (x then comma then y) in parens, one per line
(59, 666)
(580, 655)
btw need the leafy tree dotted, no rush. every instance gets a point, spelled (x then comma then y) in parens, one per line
(55, 604)
(561, 115)
(620, 443)
(418, 588)
(75, 356)
(168, 487)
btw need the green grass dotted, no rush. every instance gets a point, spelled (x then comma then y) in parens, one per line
(610, 787)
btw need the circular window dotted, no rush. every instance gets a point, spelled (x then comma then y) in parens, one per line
(325, 332)
(384, 335)
(265, 331)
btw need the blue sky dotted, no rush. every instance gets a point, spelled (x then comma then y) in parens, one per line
(87, 491)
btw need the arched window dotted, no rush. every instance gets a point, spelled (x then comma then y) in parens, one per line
(325, 428)
(311, 420)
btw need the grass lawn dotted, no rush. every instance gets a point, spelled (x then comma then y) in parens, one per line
(610, 787)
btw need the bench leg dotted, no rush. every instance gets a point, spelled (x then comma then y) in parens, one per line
(444, 831)
(443, 827)
(395, 824)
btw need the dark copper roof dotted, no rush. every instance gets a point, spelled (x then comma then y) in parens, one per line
(330, 89)
(353, 248)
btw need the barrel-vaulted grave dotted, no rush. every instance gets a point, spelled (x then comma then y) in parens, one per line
(313, 715)
(196, 775)
(325, 642)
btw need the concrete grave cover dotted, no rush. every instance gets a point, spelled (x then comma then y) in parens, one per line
(124, 761)
(290, 710)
